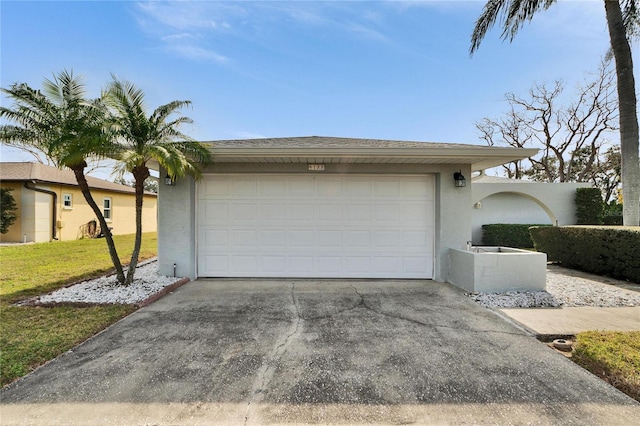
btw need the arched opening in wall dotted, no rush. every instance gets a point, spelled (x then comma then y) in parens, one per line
(509, 207)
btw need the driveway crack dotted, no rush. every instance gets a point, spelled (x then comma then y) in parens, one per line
(268, 367)
(363, 303)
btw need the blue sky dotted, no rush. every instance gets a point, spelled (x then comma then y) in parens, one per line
(387, 70)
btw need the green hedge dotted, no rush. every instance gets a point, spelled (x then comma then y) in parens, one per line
(589, 206)
(601, 250)
(507, 235)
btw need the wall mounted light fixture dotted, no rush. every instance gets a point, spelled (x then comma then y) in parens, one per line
(169, 181)
(459, 180)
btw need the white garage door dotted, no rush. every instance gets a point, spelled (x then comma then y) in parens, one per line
(316, 226)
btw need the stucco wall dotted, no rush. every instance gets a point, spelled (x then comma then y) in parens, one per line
(513, 201)
(35, 213)
(15, 230)
(176, 228)
(122, 209)
(177, 209)
(506, 208)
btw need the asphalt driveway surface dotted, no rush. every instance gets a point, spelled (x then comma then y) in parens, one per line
(303, 351)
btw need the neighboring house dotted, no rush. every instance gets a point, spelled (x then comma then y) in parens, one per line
(323, 207)
(51, 206)
(503, 200)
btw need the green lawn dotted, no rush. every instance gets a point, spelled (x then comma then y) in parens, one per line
(32, 269)
(612, 356)
(30, 336)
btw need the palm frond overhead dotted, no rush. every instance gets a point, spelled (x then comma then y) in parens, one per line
(512, 15)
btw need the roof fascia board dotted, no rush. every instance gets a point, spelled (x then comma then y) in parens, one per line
(471, 153)
(69, 185)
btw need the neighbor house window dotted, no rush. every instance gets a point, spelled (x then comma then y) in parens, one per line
(67, 201)
(106, 208)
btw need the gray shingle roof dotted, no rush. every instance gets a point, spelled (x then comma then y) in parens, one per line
(328, 142)
(47, 174)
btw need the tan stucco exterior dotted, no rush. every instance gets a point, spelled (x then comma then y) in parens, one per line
(35, 210)
(15, 230)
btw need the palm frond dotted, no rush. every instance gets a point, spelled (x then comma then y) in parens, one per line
(143, 137)
(512, 15)
(631, 18)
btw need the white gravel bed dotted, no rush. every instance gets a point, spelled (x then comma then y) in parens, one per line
(106, 290)
(562, 290)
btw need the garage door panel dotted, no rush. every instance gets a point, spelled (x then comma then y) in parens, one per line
(387, 212)
(275, 265)
(357, 264)
(301, 212)
(416, 189)
(329, 238)
(300, 238)
(387, 264)
(241, 212)
(358, 212)
(387, 187)
(215, 263)
(211, 212)
(274, 238)
(357, 187)
(300, 264)
(301, 187)
(417, 265)
(215, 237)
(386, 239)
(329, 264)
(244, 186)
(329, 187)
(271, 212)
(273, 187)
(214, 188)
(244, 237)
(357, 239)
(415, 240)
(315, 226)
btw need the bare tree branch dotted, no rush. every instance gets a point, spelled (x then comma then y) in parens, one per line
(569, 134)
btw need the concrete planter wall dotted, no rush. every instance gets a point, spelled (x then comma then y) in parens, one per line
(497, 269)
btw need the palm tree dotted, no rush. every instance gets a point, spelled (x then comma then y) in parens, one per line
(623, 21)
(66, 127)
(143, 138)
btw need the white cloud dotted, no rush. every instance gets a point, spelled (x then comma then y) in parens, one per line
(190, 15)
(205, 22)
(175, 37)
(196, 53)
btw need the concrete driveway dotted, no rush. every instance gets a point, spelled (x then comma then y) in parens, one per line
(302, 351)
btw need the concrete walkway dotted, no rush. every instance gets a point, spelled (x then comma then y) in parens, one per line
(570, 321)
(567, 321)
(243, 352)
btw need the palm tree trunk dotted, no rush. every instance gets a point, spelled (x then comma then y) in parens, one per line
(139, 175)
(84, 187)
(628, 114)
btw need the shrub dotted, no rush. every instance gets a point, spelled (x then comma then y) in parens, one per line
(7, 210)
(589, 206)
(507, 235)
(597, 249)
(612, 214)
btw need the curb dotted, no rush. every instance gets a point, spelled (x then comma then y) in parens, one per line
(161, 293)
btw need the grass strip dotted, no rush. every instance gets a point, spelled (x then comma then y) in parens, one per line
(612, 356)
(33, 269)
(32, 335)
